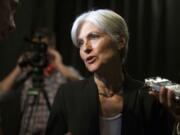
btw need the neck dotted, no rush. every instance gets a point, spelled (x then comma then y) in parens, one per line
(110, 83)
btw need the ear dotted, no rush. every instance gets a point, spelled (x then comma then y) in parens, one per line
(122, 42)
(122, 46)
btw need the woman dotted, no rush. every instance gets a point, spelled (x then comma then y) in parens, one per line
(110, 102)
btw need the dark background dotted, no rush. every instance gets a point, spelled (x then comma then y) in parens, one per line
(153, 25)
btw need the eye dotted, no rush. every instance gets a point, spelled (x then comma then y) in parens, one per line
(93, 36)
(80, 43)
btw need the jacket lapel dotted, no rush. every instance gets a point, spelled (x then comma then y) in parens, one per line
(131, 112)
(92, 107)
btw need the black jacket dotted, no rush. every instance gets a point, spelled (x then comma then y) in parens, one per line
(10, 111)
(76, 109)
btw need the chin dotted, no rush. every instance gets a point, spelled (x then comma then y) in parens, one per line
(92, 69)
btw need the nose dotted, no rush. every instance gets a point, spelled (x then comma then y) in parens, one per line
(87, 47)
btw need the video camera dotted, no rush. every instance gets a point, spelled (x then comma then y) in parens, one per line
(36, 56)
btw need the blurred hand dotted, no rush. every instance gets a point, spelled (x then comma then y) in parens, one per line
(167, 98)
(55, 57)
(24, 60)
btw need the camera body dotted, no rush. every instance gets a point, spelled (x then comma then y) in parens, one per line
(36, 56)
(39, 56)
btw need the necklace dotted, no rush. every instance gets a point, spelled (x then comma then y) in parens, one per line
(106, 90)
(110, 94)
(105, 94)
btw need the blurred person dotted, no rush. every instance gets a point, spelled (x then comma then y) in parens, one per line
(56, 61)
(40, 69)
(7, 24)
(110, 102)
(7, 14)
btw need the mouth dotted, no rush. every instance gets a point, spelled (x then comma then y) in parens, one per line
(90, 59)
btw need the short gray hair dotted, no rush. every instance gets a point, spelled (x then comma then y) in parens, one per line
(106, 20)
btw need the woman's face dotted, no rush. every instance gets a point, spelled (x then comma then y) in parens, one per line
(97, 50)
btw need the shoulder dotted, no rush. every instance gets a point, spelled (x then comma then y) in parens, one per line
(132, 84)
(137, 94)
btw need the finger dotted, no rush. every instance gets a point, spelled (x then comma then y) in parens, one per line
(49, 50)
(163, 96)
(154, 94)
(169, 98)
